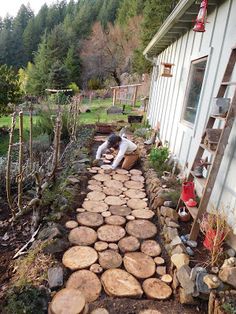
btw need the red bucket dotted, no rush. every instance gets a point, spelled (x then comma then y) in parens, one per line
(187, 191)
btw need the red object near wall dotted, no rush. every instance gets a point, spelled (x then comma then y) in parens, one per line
(187, 191)
(210, 237)
(200, 20)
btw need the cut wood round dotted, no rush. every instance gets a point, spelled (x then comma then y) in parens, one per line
(112, 191)
(106, 214)
(95, 206)
(136, 203)
(100, 246)
(133, 185)
(95, 188)
(132, 193)
(106, 167)
(102, 177)
(120, 177)
(120, 210)
(82, 236)
(80, 210)
(143, 213)
(109, 156)
(151, 248)
(113, 246)
(96, 268)
(135, 172)
(96, 168)
(130, 217)
(71, 224)
(96, 196)
(110, 259)
(94, 182)
(110, 233)
(122, 171)
(86, 282)
(129, 244)
(107, 162)
(114, 200)
(149, 312)
(139, 264)
(79, 257)
(119, 283)
(100, 310)
(113, 184)
(141, 229)
(70, 301)
(166, 278)
(159, 260)
(93, 171)
(137, 178)
(124, 189)
(115, 220)
(156, 289)
(90, 219)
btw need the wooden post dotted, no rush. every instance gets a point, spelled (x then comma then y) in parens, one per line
(20, 167)
(135, 95)
(114, 97)
(57, 140)
(8, 167)
(31, 138)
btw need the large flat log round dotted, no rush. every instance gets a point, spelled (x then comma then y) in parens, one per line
(95, 206)
(120, 210)
(143, 213)
(102, 177)
(122, 171)
(82, 236)
(94, 182)
(151, 248)
(110, 233)
(141, 229)
(132, 193)
(71, 224)
(119, 283)
(86, 282)
(90, 219)
(112, 191)
(95, 188)
(96, 196)
(106, 167)
(156, 289)
(79, 257)
(136, 203)
(70, 301)
(121, 177)
(115, 220)
(135, 172)
(114, 200)
(129, 244)
(113, 184)
(138, 178)
(133, 185)
(139, 264)
(109, 259)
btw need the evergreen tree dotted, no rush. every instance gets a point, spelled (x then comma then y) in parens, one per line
(73, 65)
(58, 43)
(108, 11)
(58, 76)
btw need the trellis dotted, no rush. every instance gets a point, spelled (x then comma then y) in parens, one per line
(125, 94)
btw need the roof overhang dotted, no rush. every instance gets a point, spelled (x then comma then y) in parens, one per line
(177, 23)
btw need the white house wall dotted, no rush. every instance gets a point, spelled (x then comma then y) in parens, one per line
(167, 97)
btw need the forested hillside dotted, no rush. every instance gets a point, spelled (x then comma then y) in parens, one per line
(83, 42)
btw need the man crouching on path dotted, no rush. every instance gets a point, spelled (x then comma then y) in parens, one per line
(128, 151)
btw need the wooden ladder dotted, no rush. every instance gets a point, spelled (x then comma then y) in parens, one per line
(208, 183)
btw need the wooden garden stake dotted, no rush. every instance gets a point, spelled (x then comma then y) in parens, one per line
(57, 140)
(20, 167)
(8, 168)
(31, 138)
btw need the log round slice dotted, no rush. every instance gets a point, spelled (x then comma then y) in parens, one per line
(133, 185)
(96, 196)
(129, 244)
(114, 200)
(93, 171)
(166, 278)
(71, 224)
(137, 178)
(106, 214)
(143, 213)
(113, 246)
(79, 257)
(156, 289)
(80, 210)
(110, 233)
(102, 177)
(149, 312)
(115, 220)
(110, 259)
(119, 283)
(141, 229)
(139, 264)
(109, 156)
(107, 162)
(130, 217)
(95, 206)
(96, 268)
(120, 210)
(132, 193)
(100, 246)
(95, 168)
(86, 282)
(113, 184)
(134, 203)
(100, 310)
(69, 301)
(94, 182)
(106, 167)
(90, 219)
(121, 177)
(82, 236)
(122, 171)
(135, 172)
(151, 248)
(95, 188)
(159, 260)
(112, 191)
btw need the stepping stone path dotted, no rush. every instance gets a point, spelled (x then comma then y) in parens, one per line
(113, 244)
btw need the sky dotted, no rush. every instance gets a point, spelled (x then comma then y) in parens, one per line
(12, 6)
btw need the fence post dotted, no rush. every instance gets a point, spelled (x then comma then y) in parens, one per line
(20, 167)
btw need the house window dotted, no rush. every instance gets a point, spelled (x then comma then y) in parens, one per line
(196, 76)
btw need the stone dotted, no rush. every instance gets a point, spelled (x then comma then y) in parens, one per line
(143, 213)
(200, 284)
(151, 248)
(139, 264)
(120, 210)
(71, 224)
(55, 277)
(169, 212)
(100, 310)
(119, 283)
(228, 275)
(110, 259)
(195, 270)
(170, 233)
(51, 231)
(115, 220)
(159, 260)
(86, 282)
(96, 268)
(156, 289)
(172, 224)
(157, 202)
(79, 257)
(56, 246)
(178, 249)
(100, 246)
(110, 233)
(212, 281)
(215, 270)
(169, 204)
(129, 244)
(141, 229)
(189, 251)
(161, 270)
(230, 262)
(113, 246)
(179, 260)
(72, 180)
(192, 243)
(183, 276)
(82, 236)
(175, 283)
(90, 219)
(185, 298)
(231, 252)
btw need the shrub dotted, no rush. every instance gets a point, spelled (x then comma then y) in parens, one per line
(158, 158)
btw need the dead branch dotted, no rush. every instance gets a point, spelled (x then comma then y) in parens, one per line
(20, 168)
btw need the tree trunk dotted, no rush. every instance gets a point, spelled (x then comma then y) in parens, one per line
(116, 78)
